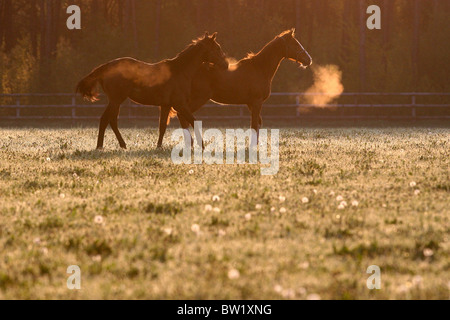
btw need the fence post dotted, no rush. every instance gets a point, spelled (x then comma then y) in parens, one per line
(18, 108)
(297, 102)
(413, 107)
(74, 102)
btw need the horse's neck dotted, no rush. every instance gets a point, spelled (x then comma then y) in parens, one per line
(270, 58)
(189, 61)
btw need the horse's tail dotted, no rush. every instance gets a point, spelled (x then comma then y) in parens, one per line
(172, 114)
(88, 85)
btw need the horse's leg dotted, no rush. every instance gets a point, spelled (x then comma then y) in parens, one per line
(114, 125)
(163, 118)
(187, 115)
(188, 141)
(256, 122)
(104, 121)
(194, 105)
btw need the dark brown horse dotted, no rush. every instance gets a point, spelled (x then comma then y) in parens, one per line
(247, 82)
(166, 84)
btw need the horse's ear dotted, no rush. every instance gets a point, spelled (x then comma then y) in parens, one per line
(214, 36)
(206, 35)
(293, 32)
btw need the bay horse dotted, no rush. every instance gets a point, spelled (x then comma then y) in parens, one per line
(247, 82)
(166, 83)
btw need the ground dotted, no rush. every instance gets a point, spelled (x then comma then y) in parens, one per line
(141, 227)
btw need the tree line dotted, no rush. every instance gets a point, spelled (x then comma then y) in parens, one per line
(410, 53)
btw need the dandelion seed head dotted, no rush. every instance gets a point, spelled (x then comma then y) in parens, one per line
(427, 252)
(288, 294)
(208, 208)
(216, 198)
(283, 210)
(305, 200)
(98, 219)
(233, 274)
(339, 198)
(355, 203)
(278, 288)
(195, 228)
(282, 199)
(412, 184)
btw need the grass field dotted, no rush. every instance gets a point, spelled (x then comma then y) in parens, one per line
(140, 227)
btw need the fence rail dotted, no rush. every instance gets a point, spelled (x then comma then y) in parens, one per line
(292, 110)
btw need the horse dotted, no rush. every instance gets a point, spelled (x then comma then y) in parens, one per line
(247, 82)
(166, 83)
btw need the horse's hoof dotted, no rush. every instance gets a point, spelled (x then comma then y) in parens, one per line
(100, 149)
(124, 147)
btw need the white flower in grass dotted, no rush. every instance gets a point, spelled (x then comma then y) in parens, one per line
(339, 198)
(283, 210)
(427, 252)
(48, 159)
(216, 198)
(62, 195)
(302, 291)
(234, 274)
(248, 216)
(332, 193)
(341, 207)
(313, 296)
(258, 207)
(99, 220)
(282, 199)
(355, 203)
(44, 251)
(278, 288)
(402, 289)
(384, 205)
(216, 210)
(417, 281)
(37, 241)
(305, 200)
(222, 233)
(344, 203)
(416, 192)
(208, 208)
(273, 209)
(191, 172)
(288, 294)
(315, 191)
(195, 228)
(168, 231)
(97, 258)
(412, 184)
(304, 265)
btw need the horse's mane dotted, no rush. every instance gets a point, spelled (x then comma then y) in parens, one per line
(252, 55)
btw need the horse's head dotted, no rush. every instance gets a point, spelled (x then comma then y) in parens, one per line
(213, 52)
(294, 50)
